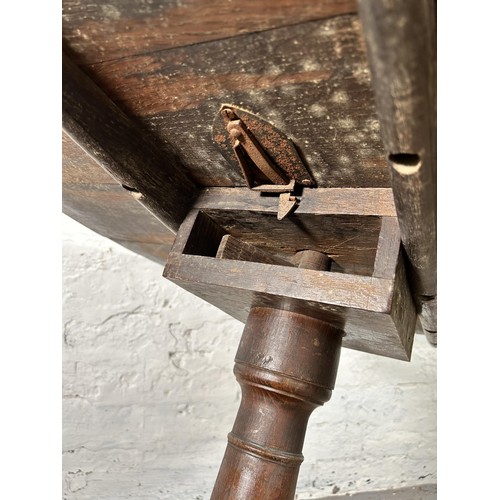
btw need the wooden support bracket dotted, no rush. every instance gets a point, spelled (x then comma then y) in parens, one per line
(366, 286)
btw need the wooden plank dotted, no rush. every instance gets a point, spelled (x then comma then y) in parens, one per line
(320, 201)
(78, 168)
(231, 248)
(365, 302)
(92, 120)
(111, 211)
(310, 80)
(401, 39)
(96, 30)
(342, 290)
(93, 198)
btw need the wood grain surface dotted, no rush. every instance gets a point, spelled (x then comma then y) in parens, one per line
(377, 314)
(401, 38)
(93, 198)
(319, 201)
(310, 80)
(350, 240)
(98, 30)
(286, 365)
(123, 149)
(232, 248)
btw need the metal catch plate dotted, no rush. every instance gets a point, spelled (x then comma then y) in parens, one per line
(275, 145)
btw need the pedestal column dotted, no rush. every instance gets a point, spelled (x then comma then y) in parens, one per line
(286, 365)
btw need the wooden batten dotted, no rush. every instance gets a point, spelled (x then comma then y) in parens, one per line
(102, 130)
(401, 46)
(95, 199)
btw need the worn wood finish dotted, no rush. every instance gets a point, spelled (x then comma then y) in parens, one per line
(389, 241)
(96, 200)
(310, 80)
(379, 313)
(350, 240)
(321, 201)
(98, 30)
(286, 365)
(343, 223)
(428, 319)
(231, 248)
(92, 120)
(401, 40)
(310, 259)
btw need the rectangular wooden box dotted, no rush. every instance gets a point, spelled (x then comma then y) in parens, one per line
(365, 292)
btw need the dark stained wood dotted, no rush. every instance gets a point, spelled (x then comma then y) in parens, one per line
(331, 221)
(205, 237)
(428, 318)
(96, 200)
(350, 240)
(310, 80)
(310, 259)
(320, 201)
(379, 313)
(389, 241)
(401, 40)
(92, 120)
(233, 249)
(103, 30)
(286, 365)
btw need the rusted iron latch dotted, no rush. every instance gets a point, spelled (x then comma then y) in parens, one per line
(267, 159)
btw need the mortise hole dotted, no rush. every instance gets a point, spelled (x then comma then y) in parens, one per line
(405, 163)
(131, 189)
(405, 159)
(134, 192)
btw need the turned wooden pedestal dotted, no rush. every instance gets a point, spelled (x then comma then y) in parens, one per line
(286, 365)
(299, 306)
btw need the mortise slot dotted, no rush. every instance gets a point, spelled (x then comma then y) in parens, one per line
(405, 163)
(131, 189)
(205, 237)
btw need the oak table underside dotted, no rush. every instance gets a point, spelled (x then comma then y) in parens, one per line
(310, 79)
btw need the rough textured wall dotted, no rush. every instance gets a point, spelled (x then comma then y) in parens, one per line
(149, 395)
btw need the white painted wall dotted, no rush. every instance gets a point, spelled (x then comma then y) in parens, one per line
(149, 395)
